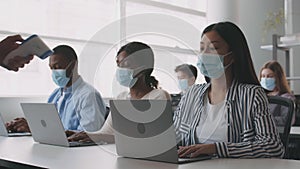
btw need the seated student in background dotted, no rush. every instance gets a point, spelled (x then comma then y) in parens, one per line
(273, 79)
(80, 106)
(186, 75)
(6, 46)
(135, 63)
(228, 116)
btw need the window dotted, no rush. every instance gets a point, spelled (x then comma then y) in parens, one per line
(57, 22)
(76, 23)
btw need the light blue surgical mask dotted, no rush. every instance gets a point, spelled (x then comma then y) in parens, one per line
(268, 83)
(59, 77)
(183, 84)
(125, 77)
(212, 65)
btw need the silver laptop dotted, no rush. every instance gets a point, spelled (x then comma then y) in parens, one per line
(10, 106)
(6, 133)
(144, 130)
(46, 126)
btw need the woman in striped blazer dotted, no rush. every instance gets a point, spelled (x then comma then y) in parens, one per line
(228, 116)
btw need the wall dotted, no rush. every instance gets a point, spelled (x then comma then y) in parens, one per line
(252, 21)
(293, 26)
(222, 10)
(250, 16)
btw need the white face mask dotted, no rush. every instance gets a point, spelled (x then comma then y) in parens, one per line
(59, 77)
(183, 84)
(268, 83)
(212, 65)
(125, 77)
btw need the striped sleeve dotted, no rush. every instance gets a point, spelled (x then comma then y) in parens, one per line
(184, 114)
(177, 119)
(266, 141)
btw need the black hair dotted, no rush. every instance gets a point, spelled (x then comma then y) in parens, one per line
(243, 70)
(143, 56)
(188, 69)
(65, 51)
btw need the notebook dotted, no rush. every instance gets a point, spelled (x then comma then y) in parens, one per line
(46, 126)
(144, 130)
(4, 132)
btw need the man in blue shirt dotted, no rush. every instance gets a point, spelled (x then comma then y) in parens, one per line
(80, 106)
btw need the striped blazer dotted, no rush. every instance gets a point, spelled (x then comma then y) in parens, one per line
(251, 130)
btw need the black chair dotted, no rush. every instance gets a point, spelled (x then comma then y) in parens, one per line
(175, 100)
(297, 112)
(294, 142)
(106, 112)
(284, 130)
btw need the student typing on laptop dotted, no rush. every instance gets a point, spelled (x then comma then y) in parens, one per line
(228, 116)
(80, 106)
(135, 64)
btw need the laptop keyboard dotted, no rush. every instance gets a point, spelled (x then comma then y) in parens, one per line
(77, 143)
(19, 134)
(199, 158)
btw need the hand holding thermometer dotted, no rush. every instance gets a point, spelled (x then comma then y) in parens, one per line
(33, 45)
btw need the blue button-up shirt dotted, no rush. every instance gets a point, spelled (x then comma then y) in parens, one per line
(80, 106)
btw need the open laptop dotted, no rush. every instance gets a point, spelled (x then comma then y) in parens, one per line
(144, 130)
(10, 106)
(46, 126)
(6, 133)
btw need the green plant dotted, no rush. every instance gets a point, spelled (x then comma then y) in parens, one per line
(273, 21)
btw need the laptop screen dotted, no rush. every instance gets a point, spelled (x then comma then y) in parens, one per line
(144, 129)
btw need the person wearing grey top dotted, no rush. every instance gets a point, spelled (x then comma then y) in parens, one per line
(273, 79)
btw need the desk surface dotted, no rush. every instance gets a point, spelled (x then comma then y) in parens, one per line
(24, 150)
(295, 132)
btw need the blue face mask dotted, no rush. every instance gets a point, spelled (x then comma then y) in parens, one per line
(183, 84)
(125, 77)
(268, 83)
(59, 77)
(211, 65)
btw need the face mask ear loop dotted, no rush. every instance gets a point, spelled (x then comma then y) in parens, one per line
(229, 64)
(225, 67)
(71, 74)
(227, 53)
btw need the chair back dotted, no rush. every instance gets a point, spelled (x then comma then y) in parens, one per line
(288, 105)
(175, 100)
(297, 111)
(107, 110)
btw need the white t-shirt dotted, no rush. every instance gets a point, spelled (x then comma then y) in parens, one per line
(212, 126)
(156, 94)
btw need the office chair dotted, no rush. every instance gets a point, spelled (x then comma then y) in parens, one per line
(294, 143)
(107, 110)
(175, 101)
(284, 130)
(297, 115)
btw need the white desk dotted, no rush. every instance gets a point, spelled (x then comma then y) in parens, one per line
(24, 150)
(295, 132)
